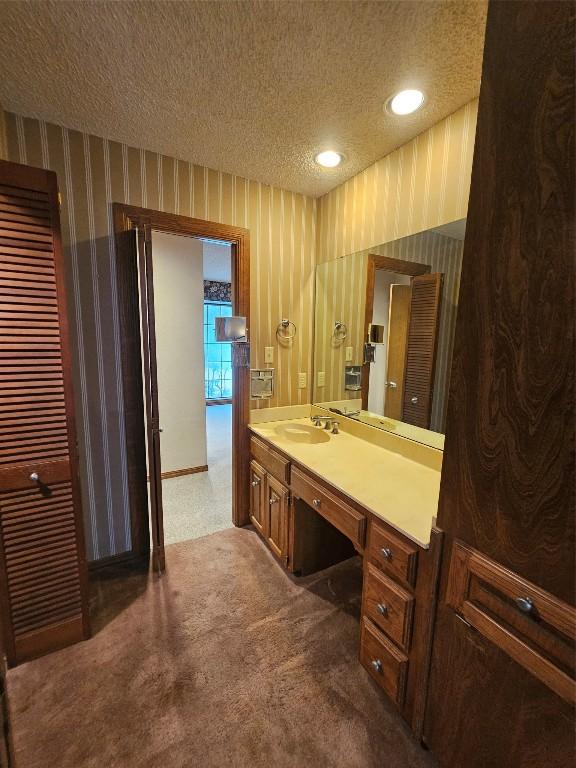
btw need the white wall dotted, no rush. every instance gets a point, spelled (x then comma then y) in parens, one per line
(179, 307)
(382, 282)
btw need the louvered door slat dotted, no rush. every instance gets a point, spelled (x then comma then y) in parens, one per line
(42, 548)
(421, 349)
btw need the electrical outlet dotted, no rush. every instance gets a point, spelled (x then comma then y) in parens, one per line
(268, 354)
(321, 378)
(301, 381)
(349, 354)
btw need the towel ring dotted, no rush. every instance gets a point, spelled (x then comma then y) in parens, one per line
(340, 330)
(283, 330)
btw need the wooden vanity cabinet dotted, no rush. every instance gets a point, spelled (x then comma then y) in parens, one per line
(270, 500)
(398, 604)
(277, 501)
(257, 499)
(310, 525)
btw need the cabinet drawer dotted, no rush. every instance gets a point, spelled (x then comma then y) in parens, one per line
(389, 606)
(394, 555)
(387, 665)
(273, 462)
(532, 626)
(347, 520)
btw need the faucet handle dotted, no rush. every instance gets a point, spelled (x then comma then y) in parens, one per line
(335, 425)
(315, 420)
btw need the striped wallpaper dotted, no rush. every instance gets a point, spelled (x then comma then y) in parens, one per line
(341, 294)
(290, 233)
(93, 172)
(421, 185)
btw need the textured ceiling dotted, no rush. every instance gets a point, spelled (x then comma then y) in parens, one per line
(252, 88)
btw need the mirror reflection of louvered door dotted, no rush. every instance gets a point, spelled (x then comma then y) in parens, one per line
(43, 585)
(421, 344)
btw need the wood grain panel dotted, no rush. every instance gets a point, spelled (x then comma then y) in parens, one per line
(508, 483)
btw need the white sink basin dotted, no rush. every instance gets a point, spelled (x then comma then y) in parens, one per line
(302, 433)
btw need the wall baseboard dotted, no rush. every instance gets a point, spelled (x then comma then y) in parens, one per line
(185, 471)
(124, 558)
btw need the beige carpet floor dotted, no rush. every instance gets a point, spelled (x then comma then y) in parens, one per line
(225, 661)
(199, 504)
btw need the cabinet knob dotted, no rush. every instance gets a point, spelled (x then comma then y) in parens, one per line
(414, 400)
(382, 609)
(316, 502)
(377, 664)
(273, 501)
(255, 483)
(525, 604)
(386, 553)
(35, 477)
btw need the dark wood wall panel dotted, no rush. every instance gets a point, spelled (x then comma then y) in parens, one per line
(508, 484)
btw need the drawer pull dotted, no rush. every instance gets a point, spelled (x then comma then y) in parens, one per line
(525, 604)
(386, 553)
(35, 477)
(382, 609)
(317, 502)
(255, 483)
(377, 664)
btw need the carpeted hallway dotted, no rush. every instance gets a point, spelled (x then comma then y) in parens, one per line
(225, 661)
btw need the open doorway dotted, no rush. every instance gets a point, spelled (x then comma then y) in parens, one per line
(193, 286)
(186, 396)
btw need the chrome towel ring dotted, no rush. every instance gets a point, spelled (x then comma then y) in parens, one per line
(340, 330)
(283, 330)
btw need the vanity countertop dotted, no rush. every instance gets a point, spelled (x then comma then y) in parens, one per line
(395, 485)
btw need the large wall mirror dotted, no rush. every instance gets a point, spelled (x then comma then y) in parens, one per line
(384, 332)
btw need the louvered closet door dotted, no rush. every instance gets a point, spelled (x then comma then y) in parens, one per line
(421, 349)
(43, 570)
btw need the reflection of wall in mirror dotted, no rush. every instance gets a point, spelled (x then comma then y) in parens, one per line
(340, 292)
(341, 295)
(444, 254)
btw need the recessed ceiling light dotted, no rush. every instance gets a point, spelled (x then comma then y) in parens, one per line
(329, 158)
(406, 102)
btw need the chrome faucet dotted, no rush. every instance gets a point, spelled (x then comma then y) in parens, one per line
(325, 421)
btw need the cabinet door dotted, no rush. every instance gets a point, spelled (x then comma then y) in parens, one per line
(277, 496)
(257, 505)
(43, 588)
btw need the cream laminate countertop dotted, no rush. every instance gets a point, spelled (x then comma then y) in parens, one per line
(395, 484)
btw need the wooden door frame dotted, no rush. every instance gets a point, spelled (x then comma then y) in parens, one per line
(126, 218)
(386, 264)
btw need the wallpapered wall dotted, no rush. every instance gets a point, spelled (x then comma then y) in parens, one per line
(93, 172)
(289, 234)
(421, 185)
(341, 294)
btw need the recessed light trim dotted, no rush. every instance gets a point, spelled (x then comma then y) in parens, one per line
(405, 102)
(329, 158)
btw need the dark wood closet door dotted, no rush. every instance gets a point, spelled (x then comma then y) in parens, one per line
(502, 683)
(153, 429)
(421, 349)
(42, 554)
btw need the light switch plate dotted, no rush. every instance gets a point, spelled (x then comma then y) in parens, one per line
(268, 354)
(349, 354)
(321, 378)
(301, 380)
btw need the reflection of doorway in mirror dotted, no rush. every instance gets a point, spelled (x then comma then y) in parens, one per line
(377, 390)
(396, 354)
